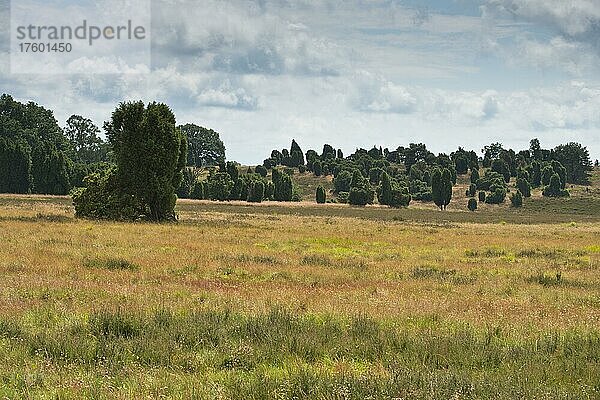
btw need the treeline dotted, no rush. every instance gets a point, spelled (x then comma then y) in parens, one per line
(395, 178)
(37, 155)
(148, 161)
(225, 182)
(415, 173)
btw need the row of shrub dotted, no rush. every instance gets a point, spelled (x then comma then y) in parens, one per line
(225, 183)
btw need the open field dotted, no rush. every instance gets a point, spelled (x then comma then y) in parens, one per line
(300, 301)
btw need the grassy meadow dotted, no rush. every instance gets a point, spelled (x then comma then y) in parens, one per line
(301, 301)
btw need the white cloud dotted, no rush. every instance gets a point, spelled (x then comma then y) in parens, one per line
(375, 94)
(353, 73)
(561, 34)
(572, 17)
(571, 106)
(105, 65)
(238, 38)
(225, 96)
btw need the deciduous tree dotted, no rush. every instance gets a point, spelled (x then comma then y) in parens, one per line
(205, 147)
(82, 133)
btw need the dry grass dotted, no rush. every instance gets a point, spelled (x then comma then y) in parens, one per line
(479, 274)
(402, 309)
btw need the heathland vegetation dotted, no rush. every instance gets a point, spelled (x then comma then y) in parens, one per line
(259, 301)
(459, 276)
(148, 161)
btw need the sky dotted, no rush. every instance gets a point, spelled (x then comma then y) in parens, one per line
(353, 73)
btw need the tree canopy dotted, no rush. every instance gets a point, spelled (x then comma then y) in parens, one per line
(576, 160)
(441, 183)
(205, 147)
(30, 131)
(150, 154)
(82, 134)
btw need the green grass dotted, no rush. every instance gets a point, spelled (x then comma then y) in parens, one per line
(307, 183)
(111, 264)
(284, 354)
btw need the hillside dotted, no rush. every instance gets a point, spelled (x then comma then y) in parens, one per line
(584, 202)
